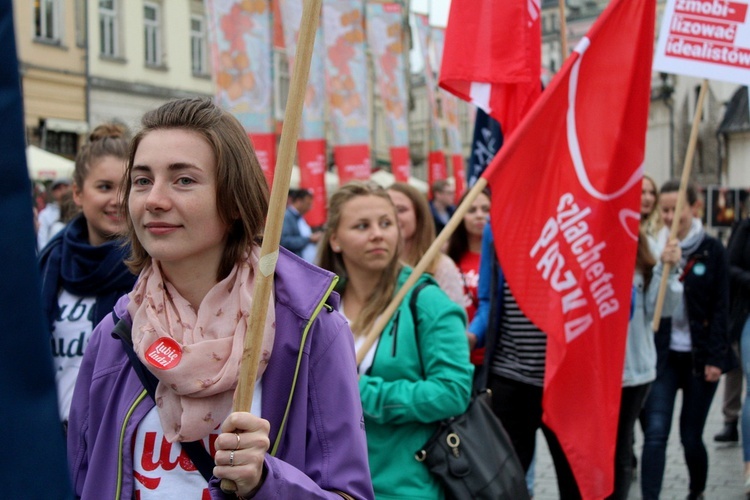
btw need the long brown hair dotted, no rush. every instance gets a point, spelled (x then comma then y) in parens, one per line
(241, 188)
(333, 261)
(107, 139)
(644, 259)
(458, 243)
(424, 233)
(652, 222)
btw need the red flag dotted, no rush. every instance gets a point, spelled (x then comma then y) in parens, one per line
(312, 170)
(459, 176)
(566, 193)
(492, 56)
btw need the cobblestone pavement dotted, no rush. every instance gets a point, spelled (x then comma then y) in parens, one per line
(725, 481)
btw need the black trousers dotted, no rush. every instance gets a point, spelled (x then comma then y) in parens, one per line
(631, 404)
(519, 408)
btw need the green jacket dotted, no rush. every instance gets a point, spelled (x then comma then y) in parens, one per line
(404, 396)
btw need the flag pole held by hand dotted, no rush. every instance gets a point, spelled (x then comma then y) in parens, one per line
(684, 179)
(269, 251)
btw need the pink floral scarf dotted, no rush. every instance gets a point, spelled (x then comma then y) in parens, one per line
(196, 356)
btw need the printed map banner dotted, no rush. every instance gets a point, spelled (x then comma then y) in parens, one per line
(705, 38)
(313, 112)
(450, 102)
(346, 86)
(450, 119)
(436, 172)
(241, 55)
(311, 146)
(385, 39)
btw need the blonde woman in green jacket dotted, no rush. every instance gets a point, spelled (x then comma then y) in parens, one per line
(418, 372)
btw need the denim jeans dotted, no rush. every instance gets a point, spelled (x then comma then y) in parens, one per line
(697, 395)
(745, 356)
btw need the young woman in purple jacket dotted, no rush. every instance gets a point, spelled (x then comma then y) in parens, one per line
(196, 202)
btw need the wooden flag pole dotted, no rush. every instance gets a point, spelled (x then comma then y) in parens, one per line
(680, 201)
(456, 219)
(563, 31)
(269, 251)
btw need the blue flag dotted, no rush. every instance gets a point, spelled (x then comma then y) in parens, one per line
(488, 137)
(32, 462)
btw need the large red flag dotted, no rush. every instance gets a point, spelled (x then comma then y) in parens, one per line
(566, 191)
(492, 56)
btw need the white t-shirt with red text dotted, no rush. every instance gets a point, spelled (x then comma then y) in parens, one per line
(163, 469)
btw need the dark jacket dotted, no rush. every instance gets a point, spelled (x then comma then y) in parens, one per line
(291, 237)
(738, 251)
(706, 295)
(439, 224)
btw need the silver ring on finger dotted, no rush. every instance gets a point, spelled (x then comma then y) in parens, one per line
(231, 458)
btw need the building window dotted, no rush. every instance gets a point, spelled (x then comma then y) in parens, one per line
(61, 143)
(152, 33)
(108, 28)
(198, 45)
(80, 14)
(47, 20)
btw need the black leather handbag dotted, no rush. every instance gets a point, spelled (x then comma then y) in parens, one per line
(472, 456)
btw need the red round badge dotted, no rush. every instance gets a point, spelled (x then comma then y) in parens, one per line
(164, 354)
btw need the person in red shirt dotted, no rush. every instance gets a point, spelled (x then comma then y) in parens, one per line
(464, 247)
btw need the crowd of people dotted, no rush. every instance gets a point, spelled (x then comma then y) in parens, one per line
(148, 286)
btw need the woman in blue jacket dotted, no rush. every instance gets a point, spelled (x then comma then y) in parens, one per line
(152, 411)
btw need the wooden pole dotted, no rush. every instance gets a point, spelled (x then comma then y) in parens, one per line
(421, 267)
(563, 31)
(684, 179)
(269, 251)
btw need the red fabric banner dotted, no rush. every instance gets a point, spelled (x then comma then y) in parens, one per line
(565, 209)
(312, 174)
(400, 163)
(265, 149)
(492, 56)
(436, 168)
(353, 162)
(459, 176)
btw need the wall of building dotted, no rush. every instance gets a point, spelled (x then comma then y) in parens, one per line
(738, 160)
(124, 87)
(52, 71)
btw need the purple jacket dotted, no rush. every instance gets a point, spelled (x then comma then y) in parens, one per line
(323, 448)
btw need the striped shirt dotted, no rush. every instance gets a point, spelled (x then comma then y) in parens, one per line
(521, 347)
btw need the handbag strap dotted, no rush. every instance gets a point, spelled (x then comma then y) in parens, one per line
(415, 320)
(194, 449)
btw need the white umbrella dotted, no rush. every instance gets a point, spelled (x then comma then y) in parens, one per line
(386, 179)
(44, 165)
(382, 177)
